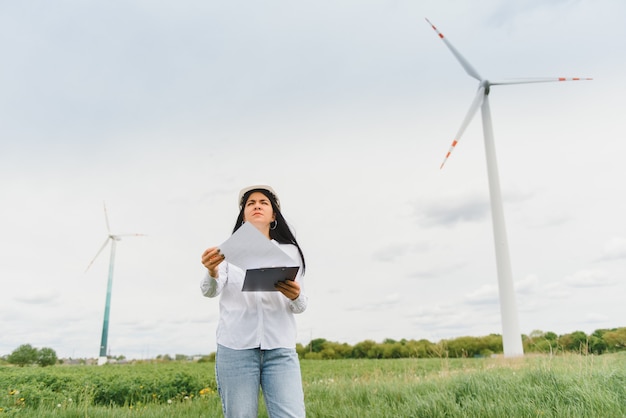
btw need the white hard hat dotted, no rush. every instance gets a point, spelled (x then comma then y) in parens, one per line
(258, 187)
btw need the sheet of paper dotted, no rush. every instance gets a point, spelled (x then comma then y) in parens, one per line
(248, 248)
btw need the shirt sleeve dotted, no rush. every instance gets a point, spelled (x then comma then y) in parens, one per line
(212, 287)
(299, 304)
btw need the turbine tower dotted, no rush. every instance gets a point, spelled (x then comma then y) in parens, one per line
(111, 238)
(511, 335)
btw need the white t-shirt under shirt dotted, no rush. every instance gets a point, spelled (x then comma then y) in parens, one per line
(254, 319)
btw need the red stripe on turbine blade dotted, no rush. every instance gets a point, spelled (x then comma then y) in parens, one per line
(435, 29)
(562, 79)
(448, 153)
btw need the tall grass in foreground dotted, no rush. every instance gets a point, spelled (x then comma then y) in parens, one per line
(571, 386)
(532, 386)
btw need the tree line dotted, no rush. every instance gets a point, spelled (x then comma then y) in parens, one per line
(26, 355)
(599, 342)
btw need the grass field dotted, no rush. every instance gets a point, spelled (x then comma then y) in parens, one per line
(532, 386)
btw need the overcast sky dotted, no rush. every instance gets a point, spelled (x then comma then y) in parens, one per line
(165, 110)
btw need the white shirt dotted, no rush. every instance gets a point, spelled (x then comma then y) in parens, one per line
(254, 319)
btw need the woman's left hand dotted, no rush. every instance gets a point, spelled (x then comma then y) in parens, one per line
(289, 288)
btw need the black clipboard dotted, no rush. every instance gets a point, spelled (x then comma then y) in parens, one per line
(264, 279)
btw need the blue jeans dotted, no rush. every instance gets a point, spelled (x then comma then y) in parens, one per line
(240, 374)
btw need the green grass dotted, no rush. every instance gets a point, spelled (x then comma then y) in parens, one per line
(533, 386)
(570, 386)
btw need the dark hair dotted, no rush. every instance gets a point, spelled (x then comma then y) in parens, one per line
(282, 233)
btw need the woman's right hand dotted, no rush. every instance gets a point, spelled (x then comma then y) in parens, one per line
(211, 258)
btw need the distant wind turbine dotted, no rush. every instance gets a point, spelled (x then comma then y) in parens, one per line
(112, 238)
(511, 336)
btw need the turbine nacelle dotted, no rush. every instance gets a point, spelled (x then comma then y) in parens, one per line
(484, 84)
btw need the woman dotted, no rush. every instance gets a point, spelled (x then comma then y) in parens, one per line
(256, 333)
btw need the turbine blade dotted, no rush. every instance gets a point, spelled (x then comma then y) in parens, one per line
(476, 103)
(537, 80)
(106, 218)
(464, 63)
(98, 253)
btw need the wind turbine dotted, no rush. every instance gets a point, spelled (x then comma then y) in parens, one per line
(511, 335)
(111, 238)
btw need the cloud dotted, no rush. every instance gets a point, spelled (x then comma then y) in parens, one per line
(536, 295)
(441, 270)
(528, 285)
(396, 251)
(474, 207)
(614, 249)
(40, 298)
(524, 11)
(452, 211)
(485, 295)
(589, 278)
(593, 317)
(391, 252)
(452, 319)
(389, 301)
(474, 311)
(548, 220)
